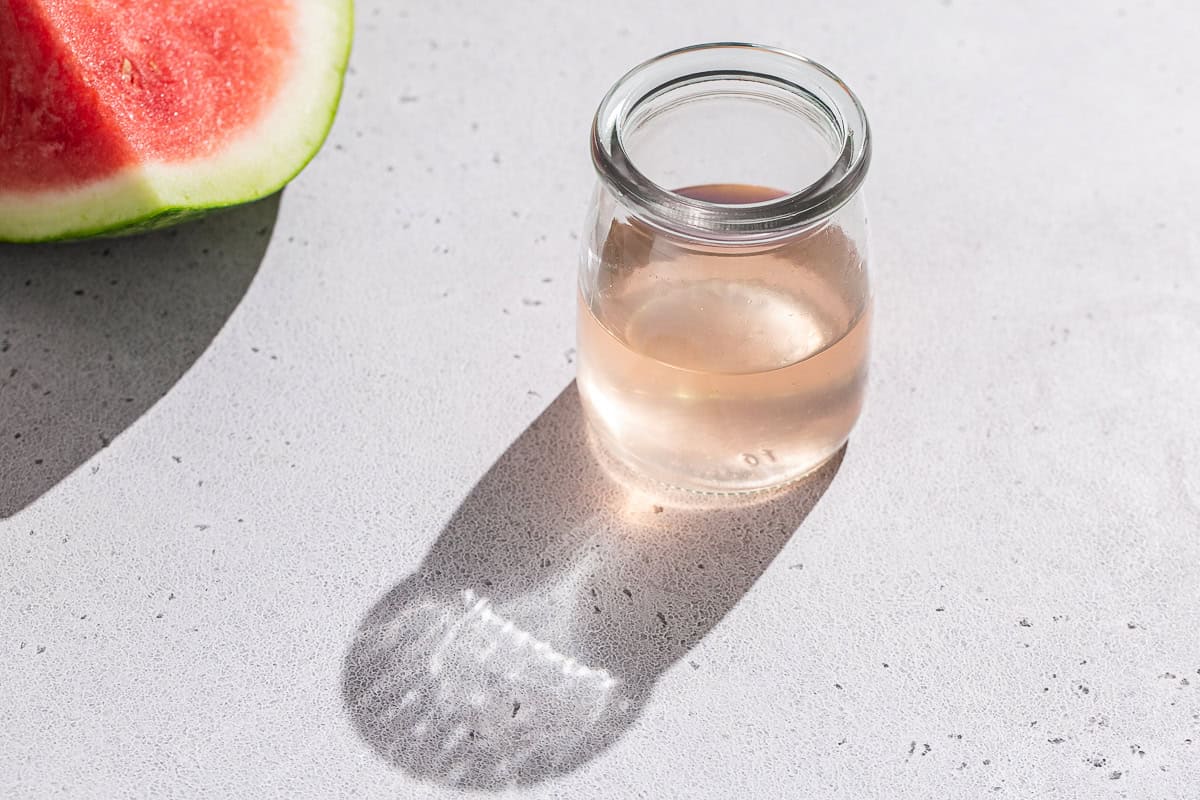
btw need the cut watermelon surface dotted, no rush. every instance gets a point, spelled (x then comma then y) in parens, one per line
(123, 114)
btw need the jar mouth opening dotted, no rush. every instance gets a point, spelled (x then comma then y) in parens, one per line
(791, 85)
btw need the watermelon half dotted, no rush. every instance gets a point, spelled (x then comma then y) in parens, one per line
(117, 115)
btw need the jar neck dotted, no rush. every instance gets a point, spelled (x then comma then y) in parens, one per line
(738, 112)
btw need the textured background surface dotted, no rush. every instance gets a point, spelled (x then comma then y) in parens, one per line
(998, 594)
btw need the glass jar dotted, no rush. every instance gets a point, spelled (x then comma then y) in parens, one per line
(724, 308)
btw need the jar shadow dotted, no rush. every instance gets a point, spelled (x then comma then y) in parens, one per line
(533, 632)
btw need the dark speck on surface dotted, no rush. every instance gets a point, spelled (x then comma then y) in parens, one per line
(41, 649)
(662, 620)
(1114, 775)
(1024, 623)
(940, 608)
(1056, 740)
(839, 686)
(627, 593)
(177, 459)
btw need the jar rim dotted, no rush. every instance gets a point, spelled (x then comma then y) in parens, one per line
(715, 222)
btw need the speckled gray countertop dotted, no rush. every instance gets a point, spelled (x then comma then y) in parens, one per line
(241, 554)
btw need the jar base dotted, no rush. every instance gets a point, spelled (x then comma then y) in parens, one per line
(637, 476)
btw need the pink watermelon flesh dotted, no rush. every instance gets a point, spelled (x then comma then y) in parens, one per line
(93, 87)
(118, 112)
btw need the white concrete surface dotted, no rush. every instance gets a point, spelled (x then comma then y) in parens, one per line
(998, 595)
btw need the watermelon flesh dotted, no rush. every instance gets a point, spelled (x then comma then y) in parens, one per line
(125, 113)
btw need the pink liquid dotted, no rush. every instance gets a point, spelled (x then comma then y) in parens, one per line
(724, 370)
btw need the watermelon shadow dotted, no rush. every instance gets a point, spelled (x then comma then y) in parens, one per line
(93, 333)
(532, 634)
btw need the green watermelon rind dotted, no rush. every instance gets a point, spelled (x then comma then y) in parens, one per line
(156, 215)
